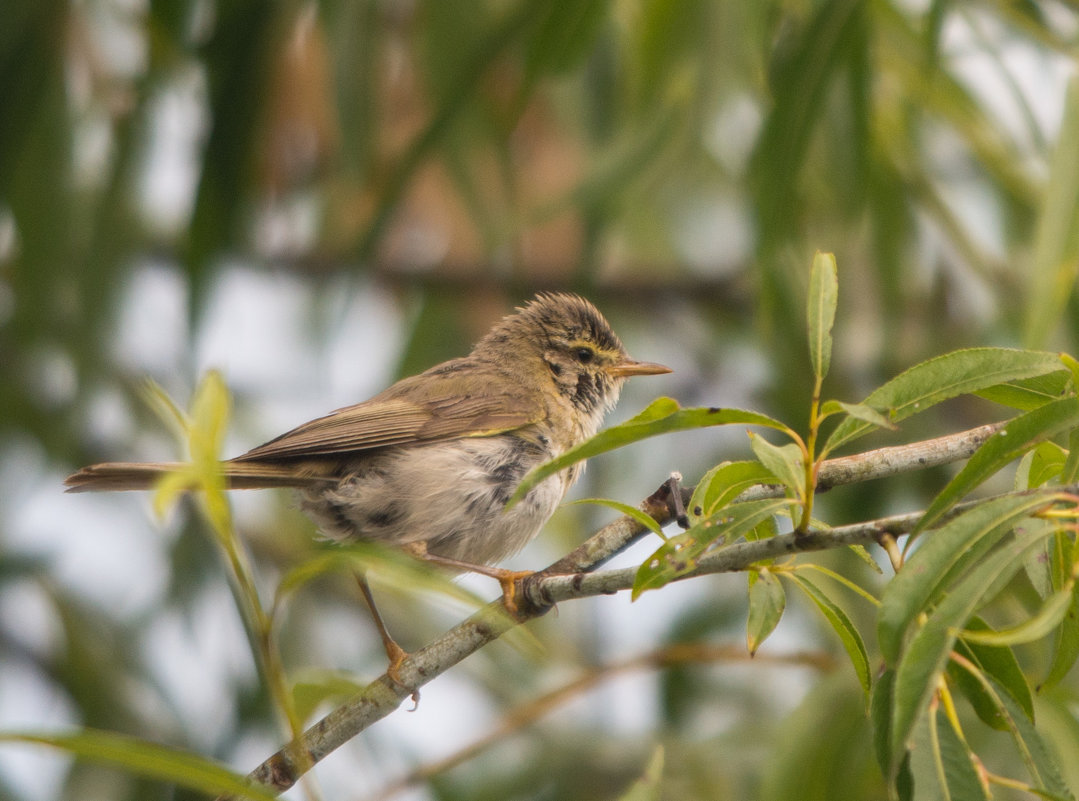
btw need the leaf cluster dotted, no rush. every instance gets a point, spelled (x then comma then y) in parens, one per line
(928, 631)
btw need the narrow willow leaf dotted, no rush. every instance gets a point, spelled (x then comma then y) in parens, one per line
(923, 661)
(829, 408)
(662, 416)
(820, 311)
(170, 488)
(1039, 565)
(393, 566)
(1040, 763)
(1067, 643)
(1008, 444)
(643, 518)
(670, 561)
(1072, 364)
(678, 555)
(649, 786)
(155, 397)
(943, 377)
(867, 414)
(764, 530)
(735, 520)
(318, 688)
(1001, 664)
(1028, 393)
(848, 634)
(209, 417)
(562, 37)
(1046, 463)
(942, 766)
(151, 760)
(1051, 614)
(1069, 473)
(880, 715)
(939, 559)
(839, 578)
(863, 553)
(783, 461)
(725, 482)
(1055, 260)
(767, 600)
(926, 766)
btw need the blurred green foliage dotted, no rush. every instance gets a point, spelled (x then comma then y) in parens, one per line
(678, 162)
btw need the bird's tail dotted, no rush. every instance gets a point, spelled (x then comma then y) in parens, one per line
(120, 476)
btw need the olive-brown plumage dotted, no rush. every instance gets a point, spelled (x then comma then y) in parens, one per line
(430, 462)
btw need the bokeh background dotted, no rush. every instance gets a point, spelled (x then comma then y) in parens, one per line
(319, 197)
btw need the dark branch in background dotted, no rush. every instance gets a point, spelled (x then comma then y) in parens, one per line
(571, 577)
(730, 297)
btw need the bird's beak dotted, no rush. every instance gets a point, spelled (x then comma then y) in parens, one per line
(630, 367)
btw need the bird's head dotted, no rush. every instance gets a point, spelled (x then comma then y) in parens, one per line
(571, 348)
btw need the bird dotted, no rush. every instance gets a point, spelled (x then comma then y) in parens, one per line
(429, 464)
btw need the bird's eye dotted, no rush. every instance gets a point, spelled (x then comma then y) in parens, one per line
(585, 355)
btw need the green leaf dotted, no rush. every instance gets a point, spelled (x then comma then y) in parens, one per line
(923, 661)
(1039, 566)
(725, 482)
(1046, 463)
(848, 634)
(939, 559)
(643, 518)
(783, 461)
(319, 687)
(649, 786)
(1069, 473)
(1038, 759)
(662, 416)
(1028, 393)
(1067, 642)
(563, 36)
(859, 411)
(151, 760)
(767, 600)
(863, 553)
(839, 578)
(1055, 261)
(880, 715)
(1051, 614)
(1072, 364)
(678, 555)
(942, 765)
(391, 564)
(1001, 664)
(209, 417)
(820, 311)
(941, 378)
(170, 488)
(164, 407)
(1008, 444)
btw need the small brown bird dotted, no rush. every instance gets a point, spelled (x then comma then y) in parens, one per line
(429, 463)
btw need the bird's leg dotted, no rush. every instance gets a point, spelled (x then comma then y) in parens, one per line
(507, 579)
(394, 652)
(675, 502)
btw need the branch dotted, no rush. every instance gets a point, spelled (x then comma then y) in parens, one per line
(531, 711)
(571, 577)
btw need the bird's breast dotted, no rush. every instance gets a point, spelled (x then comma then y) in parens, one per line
(451, 495)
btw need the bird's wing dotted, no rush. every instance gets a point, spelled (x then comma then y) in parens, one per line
(405, 415)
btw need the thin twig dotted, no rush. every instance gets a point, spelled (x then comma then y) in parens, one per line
(528, 713)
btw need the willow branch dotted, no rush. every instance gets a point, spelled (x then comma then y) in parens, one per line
(531, 711)
(571, 578)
